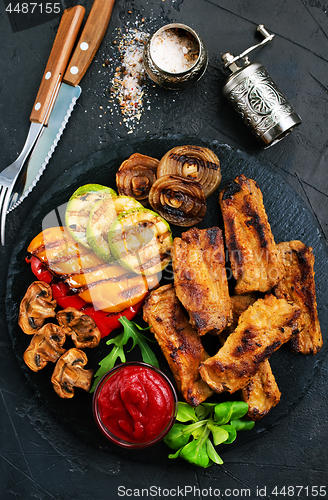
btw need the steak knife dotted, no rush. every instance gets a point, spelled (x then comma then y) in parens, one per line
(69, 91)
(62, 47)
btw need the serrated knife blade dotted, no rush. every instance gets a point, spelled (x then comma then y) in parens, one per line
(60, 54)
(69, 91)
(46, 144)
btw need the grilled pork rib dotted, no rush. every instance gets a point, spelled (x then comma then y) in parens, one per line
(261, 330)
(179, 342)
(298, 286)
(200, 278)
(252, 249)
(262, 392)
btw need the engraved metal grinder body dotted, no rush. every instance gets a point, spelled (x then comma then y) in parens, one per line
(255, 96)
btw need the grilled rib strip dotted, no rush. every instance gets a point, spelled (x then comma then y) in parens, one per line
(200, 278)
(261, 330)
(298, 286)
(252, 249)
(262, 392)
(179, 342)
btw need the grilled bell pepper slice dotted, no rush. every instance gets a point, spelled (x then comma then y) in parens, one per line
(106, 322)
(39, 270)
(107, 286)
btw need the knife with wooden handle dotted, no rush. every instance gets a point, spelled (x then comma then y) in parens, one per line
(60, 53)
(59, 56)
(89, 42)
(69, 91)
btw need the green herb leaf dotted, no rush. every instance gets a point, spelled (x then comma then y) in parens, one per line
(204, 410)
(174, 455)
(108, 362)
(212, 453)
(130, 331)
(242, 425)
(232, 432)
(222, 424)
(182, 433)
(177, 437)
(229, 410)
(195, 452)
(186, 413)
(220, 435)
(198, 428)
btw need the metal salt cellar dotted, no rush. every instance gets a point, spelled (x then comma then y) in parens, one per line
(176, 81)
(255, 96)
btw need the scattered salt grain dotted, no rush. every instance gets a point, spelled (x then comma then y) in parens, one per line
(128, 82)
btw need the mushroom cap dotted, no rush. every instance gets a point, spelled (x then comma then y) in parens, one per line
(69, 373)
(81, 327)
(37, 305)
(46, 345)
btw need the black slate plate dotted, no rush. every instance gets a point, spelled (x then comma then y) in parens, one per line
(289, 217)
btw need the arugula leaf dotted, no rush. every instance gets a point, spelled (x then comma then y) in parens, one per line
(193, 441)
(133, 331)
(130, 331)
(108, 362)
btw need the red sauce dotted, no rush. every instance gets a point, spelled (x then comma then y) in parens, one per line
(136, 404)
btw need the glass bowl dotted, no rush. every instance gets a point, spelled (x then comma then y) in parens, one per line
(135, 405)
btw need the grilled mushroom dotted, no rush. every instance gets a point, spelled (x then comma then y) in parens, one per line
(136, 176)
(179, 200)
(69, 373)
(193, 162)
(46, 345)
(36, 306)
(81, 327)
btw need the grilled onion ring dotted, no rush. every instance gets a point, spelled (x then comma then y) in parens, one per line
(193, 162)
(136, 176)
(178, 200)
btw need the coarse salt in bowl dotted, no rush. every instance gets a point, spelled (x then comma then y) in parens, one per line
(174, 50)
(175, 56)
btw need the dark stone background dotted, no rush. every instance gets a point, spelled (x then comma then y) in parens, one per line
(39, 457)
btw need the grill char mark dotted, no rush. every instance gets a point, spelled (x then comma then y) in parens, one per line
(183, 159)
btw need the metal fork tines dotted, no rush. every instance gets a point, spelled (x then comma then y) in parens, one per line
(9, 176)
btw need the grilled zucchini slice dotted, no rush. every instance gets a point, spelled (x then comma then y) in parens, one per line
(79, 207)
(101, 217)
(141, 240)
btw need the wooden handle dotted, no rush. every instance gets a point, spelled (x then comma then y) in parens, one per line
(90, 39)
(60, 53)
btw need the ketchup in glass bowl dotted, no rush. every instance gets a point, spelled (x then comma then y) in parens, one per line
(135, 405)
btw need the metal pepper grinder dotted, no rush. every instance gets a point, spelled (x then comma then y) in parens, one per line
(257, 98)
